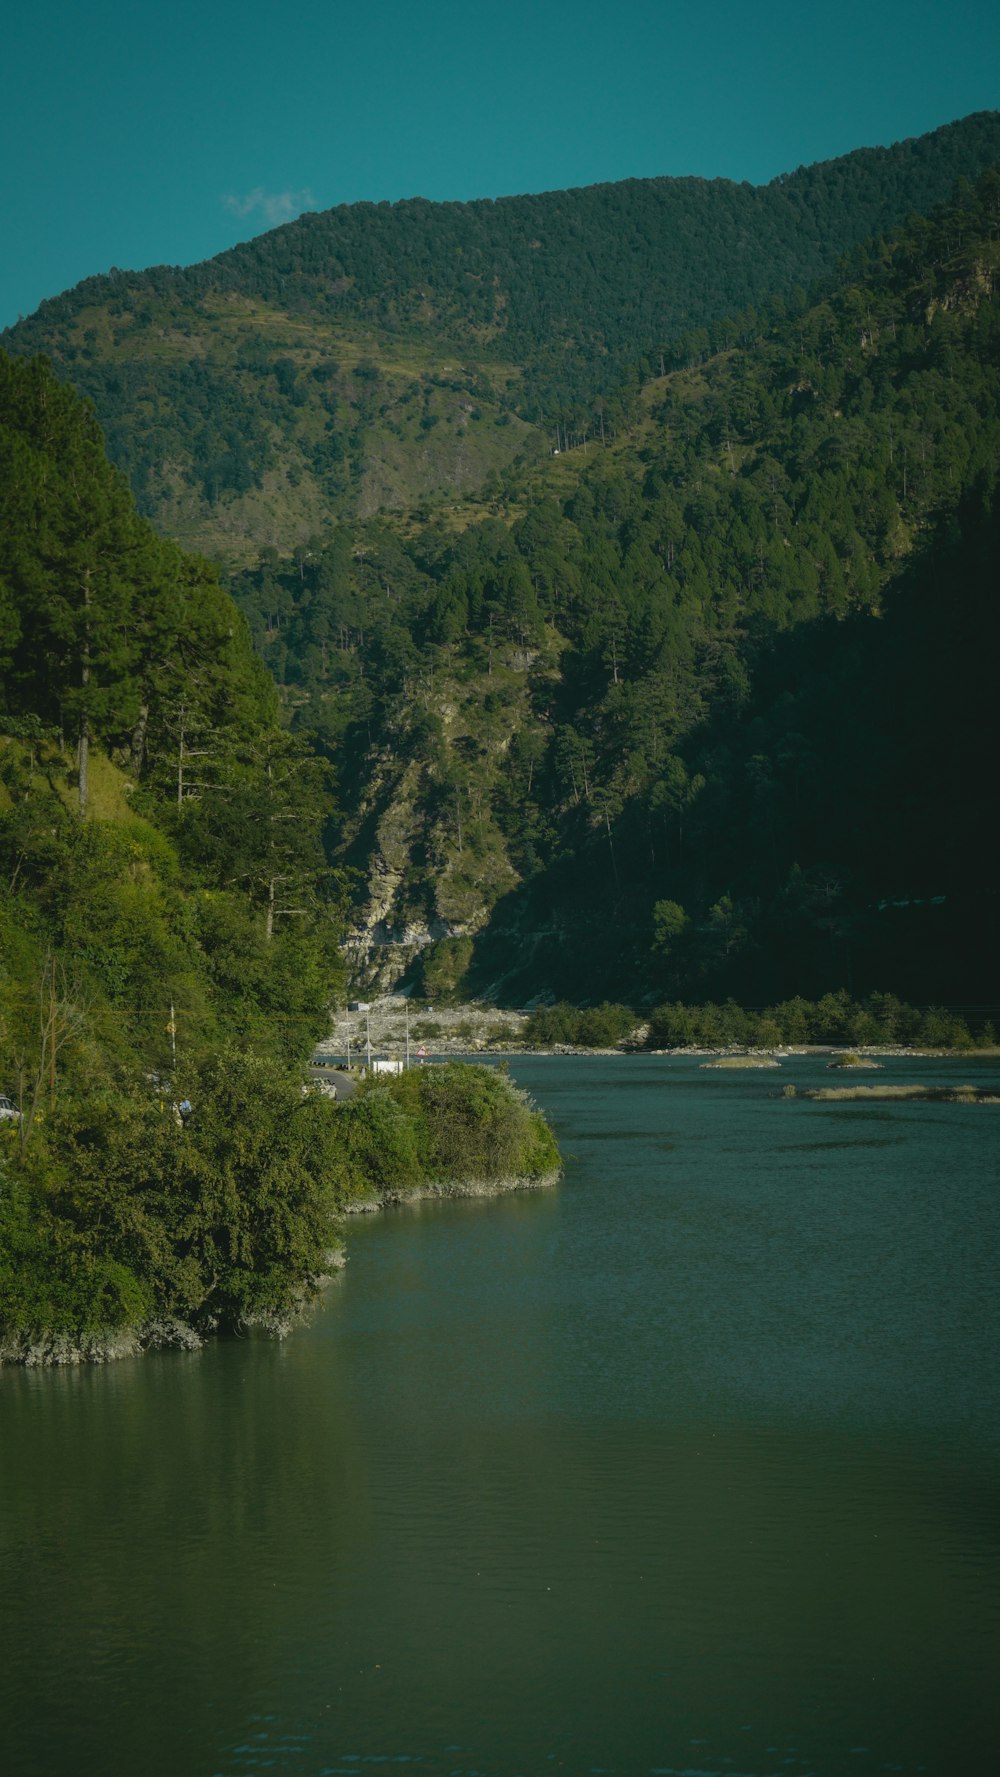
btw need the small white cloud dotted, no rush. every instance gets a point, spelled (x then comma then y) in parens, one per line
(274, 206)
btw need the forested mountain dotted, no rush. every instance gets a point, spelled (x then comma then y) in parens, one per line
(380, 356)
(701, 703)
(648, 715)
(707, 709)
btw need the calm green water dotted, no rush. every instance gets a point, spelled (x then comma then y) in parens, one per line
(689, 1466)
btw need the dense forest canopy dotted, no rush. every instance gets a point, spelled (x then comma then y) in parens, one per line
(645, 715)
(378, 356)
(201, 812)
(156, 824)
(169, 926)
(706, 708)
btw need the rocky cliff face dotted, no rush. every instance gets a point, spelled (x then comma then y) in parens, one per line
(426, 829)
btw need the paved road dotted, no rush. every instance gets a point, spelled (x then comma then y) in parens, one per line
(346, 1087)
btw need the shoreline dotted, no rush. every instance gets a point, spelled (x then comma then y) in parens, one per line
(475, 1031)
(37, 1348)
(781, 1052)
(440, 1189)
(449, 1049)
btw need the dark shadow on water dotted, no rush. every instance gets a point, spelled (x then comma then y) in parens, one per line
(822, 1147)
(620, 1135)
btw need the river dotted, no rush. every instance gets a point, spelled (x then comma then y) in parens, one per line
(689, 1465)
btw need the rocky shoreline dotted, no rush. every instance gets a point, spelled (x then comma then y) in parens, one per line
(438, 1190)
(37, 1348)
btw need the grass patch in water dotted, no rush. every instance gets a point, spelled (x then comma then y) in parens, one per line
(933, 1094)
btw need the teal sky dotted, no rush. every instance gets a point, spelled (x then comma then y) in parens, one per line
(136, 134)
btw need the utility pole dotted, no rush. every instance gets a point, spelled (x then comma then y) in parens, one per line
(52, 1027)
(172, 1028)
(406, 1018)
(368, 1039)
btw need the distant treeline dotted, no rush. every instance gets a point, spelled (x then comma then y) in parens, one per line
(836, 1018)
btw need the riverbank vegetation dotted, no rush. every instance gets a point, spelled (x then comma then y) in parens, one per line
(169, 927)
(899, 1094)
(880, 1019)
(452, 1127)
(124, 1224)
(588, 1027)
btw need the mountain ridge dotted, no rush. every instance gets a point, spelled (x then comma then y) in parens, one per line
(609, 685)
(381, 356)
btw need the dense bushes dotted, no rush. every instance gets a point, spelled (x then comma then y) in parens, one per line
(118, 1215)
(117, 1212)
(452, 1122)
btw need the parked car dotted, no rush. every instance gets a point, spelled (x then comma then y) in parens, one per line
(8, 1108)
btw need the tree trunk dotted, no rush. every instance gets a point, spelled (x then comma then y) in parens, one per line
(83, 763)
(180, 768)
(137, 748)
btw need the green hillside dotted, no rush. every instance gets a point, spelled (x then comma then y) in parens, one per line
(387, 356)
(701, 706)
(704, 709)
(169, 925)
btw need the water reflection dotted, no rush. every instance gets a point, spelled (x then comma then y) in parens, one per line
(689, 1465)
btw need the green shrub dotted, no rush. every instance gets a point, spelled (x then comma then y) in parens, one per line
(551, 1024)
(472, 1122)
(593, 1027)
(444, 967)
(134, 1213)
(941, 1029)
